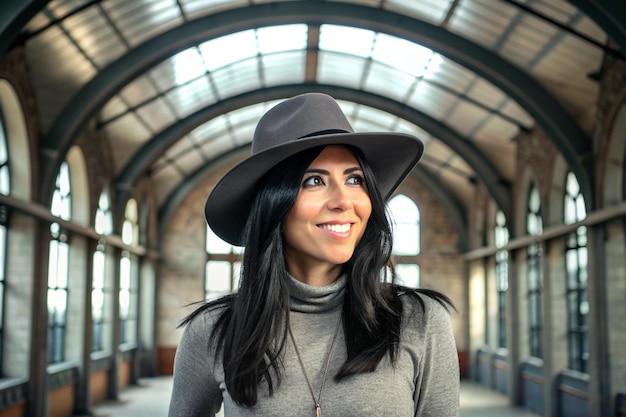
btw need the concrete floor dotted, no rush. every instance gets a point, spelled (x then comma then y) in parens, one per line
(150, 398)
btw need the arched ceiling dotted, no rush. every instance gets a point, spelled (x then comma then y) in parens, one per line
(178, 85)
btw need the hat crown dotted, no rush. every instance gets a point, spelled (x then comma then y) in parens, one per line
(299, 117)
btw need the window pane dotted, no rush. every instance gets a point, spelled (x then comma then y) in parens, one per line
(218, 277)
(104, 217)
(214, 244)
(97, 304)
(406, 221)
(98, 269)
(408, 275)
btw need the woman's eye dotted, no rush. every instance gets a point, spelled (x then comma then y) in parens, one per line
(356, 180)
(312, 181)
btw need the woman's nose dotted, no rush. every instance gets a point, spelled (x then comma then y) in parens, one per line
(339, 199)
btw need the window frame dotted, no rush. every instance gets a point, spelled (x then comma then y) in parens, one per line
(534, 274)
(576, 280)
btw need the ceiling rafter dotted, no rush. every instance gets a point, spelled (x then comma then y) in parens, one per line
(450, 203)
(14, 15)
(140, 163)
(610, 15)
(547, 111)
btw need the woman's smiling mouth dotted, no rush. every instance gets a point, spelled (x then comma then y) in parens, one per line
(336, 228)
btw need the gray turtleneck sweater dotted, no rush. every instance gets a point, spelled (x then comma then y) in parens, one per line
(424, 382)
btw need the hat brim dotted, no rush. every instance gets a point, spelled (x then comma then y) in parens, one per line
(390, 155)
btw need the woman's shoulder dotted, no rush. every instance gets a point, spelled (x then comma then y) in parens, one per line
(425, 308)
(425, 299)
(207, 315)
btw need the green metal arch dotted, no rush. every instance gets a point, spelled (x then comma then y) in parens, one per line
(559, 125)
(152, 150)
(452, 206)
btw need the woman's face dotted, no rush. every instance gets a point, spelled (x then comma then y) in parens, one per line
(328, 218)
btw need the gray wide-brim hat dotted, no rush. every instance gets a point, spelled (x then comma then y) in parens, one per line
(296, 124)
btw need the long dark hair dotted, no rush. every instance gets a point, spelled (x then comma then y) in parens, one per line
(250, 332)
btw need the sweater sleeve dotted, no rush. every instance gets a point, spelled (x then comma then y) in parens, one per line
(195, 391)
(438, 383)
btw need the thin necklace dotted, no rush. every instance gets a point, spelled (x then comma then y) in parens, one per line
(318, 400)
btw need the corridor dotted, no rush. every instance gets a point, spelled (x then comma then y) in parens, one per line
(151, 398)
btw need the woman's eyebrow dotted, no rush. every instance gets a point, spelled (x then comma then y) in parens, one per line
(326, 172)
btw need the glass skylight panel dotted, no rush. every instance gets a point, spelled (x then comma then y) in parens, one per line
(453, 76)
(164, 75)
(349, 108)
(237, 78)
(130, 128)
(95, 36)
(168, 179)
(197, 8)
(340, 69)
(106, 49)
(121, 9)
(381, 119)
(482, 22)
(217, 146)
(590, 28)
(466, 117)
(282, 38)
(141, 27)
(89, 21)
(512, 109)
(486, 93)
(138, 91)
(157, 114)
(434, 10)
(349, 40)
(560, 11)
(245, 115)
(522, 51)
(387, 81)
(213, 128)
(38, 22)
(432, 101)
(283, 68)
(191, 97)
(497, 129)
(112, 108)
(244, 133)
(536, 29)
(404, 126)
(185, 144)
(228, 49)
(362, 125)
(189, 161)
(60, 8)
(405, 55)
(187, 65)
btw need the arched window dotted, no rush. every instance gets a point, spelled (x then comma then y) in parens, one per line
(5, 188)
(534, 274)
(58, 271)
(223, 266)
(576, 267)
(129, 291)
(502, 274)
(99, 292)
(406, 239)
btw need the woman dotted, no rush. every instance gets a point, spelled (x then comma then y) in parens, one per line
(315, 326)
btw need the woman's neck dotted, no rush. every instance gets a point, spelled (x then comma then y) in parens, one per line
(318, 275)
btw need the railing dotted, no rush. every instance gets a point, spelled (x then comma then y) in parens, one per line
(620, 404)
(532, 385)
(13, 391)
(573, 394)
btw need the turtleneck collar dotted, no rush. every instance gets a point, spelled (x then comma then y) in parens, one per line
(309, 299)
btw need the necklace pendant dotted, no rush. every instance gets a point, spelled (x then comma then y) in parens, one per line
(318, 411)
